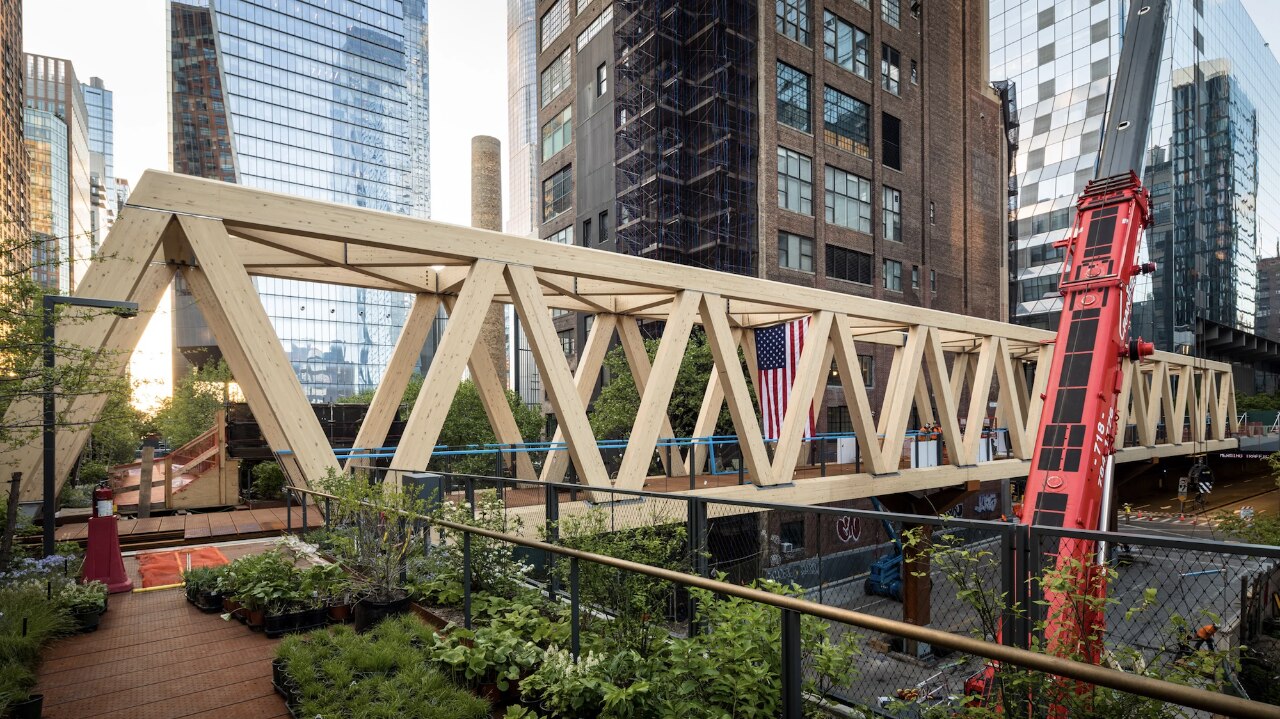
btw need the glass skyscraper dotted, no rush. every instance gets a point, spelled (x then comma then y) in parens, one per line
(1212, 165)
(99, 103)
(327, 99)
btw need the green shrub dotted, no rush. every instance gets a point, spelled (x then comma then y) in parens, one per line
(380, 674)
(268, 481)
(20, 653)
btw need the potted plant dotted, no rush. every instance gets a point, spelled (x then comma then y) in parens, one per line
(16, 699)
(85, 602)
(328, 591)
(202, 588)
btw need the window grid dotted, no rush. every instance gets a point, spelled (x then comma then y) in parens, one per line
(555, 78)
(563, 237)
(795, 182)
(557, 133)
(554, 22)
(846, 122)
(890, 141)
(849, 265)
(890, 71)
(846, 45)
(892, 214)
(848, 200)
(793, 20)
(602, 79)
(795, 252)
(793, 97)
(892, 275)
(891, 11)
(595, 27)
(557, 194)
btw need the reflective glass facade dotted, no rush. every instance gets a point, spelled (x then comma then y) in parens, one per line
(1212, 166)
(49, 195)
(522, 173)
(326, 99)
(98, 102)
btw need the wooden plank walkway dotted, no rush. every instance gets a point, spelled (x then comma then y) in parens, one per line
(157, 657)
(202, 528)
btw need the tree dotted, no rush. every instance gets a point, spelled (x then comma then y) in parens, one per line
(192, 409)
(467, 423)
(614, 410)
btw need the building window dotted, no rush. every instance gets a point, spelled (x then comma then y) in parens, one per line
(933, 280)
(838, 421)
(793, 97)
(846, 45)
(846, 122)
(890, 73)
(582, 5)
(554, 22)
(1040, 287)
(555, 78)
(848, 265)
(848, 200)
(793, 20)
(795, 252)
(586, 232)
(595, 27)
(890, 141)
(795, 182)
(602, 79)
(563, 237)
(604, 227)
(891, 11)
(792, 536)
(867, 364)
(566, 342)
(931, 213)
(893, 275)
(892, 214)
(915, 277)
(915, 73)
(557, 133)
(557, 194)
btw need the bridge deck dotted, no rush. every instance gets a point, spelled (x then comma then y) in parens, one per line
(201, 528)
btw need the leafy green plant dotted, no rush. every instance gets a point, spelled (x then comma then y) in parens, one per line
(323, 584)
(263, 582)
(494, 567)
(201, 579)
(268, 480)
(81, 598)
(28, 621)
(488, 655)
(632, 606)
(385, 673)
(383, 539)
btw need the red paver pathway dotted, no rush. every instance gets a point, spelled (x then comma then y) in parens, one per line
(157, 657)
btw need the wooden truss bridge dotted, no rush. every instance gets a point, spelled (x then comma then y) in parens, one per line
(945, 366)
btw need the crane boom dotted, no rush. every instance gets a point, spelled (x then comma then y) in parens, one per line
(1070, 469)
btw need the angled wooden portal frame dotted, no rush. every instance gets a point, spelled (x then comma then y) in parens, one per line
(946, 368)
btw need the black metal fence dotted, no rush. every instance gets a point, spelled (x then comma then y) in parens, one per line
(852, 559)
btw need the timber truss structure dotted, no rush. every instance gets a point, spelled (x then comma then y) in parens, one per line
(945, 366)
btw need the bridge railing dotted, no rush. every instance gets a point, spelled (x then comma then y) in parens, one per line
(849, 557)
(930, 654)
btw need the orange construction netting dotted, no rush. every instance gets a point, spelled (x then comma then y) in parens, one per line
(160, 569)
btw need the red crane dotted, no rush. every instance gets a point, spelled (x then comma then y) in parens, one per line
(1070, 478)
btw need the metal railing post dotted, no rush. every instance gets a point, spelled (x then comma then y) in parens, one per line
(822, 455)
(575, 618)
(497, 462)
(697, 519)
(693, 468)
(792, 677)
(288, 510)
(328, 512)
(466, 579)
(857, 456)
(470, 489)
(305, 501)
(552, 515)
(669, 443)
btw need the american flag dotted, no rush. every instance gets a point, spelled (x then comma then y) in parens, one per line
(777, 353)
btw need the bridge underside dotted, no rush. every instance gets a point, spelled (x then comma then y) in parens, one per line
(947, 368)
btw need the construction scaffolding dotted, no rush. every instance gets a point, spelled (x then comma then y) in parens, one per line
(685, 146)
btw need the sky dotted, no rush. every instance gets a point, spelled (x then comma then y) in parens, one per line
(124, 43)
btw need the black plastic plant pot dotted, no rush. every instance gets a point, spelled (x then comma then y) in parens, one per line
(209, 602)
(87, 620)
(317, 617)
(277, 674)
(369, 612)
(29, 709)
(275, 625)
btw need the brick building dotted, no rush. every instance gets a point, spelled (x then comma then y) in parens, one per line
(13, 151)
(850, 145)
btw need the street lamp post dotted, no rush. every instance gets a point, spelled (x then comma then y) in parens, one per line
(122, 309)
